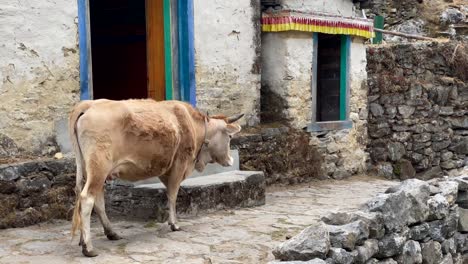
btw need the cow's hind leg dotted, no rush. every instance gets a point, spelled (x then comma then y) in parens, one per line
(100, 209)
(97, 172)
(87, 203)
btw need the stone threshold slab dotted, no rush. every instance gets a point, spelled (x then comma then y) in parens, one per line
(226, 190)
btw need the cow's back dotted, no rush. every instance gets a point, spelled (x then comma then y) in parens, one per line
(140, 137)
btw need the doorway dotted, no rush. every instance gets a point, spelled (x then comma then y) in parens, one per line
(127, 49)
(137, 49)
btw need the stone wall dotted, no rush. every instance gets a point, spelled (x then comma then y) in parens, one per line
(415, 222)
(227, 57)
(283, 154)
(289, 156)
(418, 118)
(429, 18)
(38, 73)
(34, 192)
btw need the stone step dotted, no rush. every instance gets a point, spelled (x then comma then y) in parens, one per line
(225, 190)
(210, 169)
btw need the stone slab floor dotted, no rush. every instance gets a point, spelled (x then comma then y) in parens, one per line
(237, 236)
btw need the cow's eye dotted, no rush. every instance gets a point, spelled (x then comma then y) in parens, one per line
(230, 136)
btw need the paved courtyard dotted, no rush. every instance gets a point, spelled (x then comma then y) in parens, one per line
(235, 236)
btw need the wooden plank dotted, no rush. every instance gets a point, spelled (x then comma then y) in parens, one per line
(343, 75)
(168, 48)
(378, 24)
(314, 76)
(186, 51)
(405, 35)
(175, 51)
(191, 53)
(85, 50)
(155, 49)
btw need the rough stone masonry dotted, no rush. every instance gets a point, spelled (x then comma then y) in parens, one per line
(418, 108)
(414, 222)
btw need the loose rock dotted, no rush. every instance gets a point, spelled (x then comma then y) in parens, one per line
(312, 242)
(431, 252)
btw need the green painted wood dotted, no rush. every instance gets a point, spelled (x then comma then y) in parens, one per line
(168, 49)
(378, 23)
(343, 75)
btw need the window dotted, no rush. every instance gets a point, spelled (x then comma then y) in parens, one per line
(330, 78)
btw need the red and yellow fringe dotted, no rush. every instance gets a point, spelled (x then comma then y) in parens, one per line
(286, 20)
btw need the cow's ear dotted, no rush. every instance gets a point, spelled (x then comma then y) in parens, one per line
(233, 128)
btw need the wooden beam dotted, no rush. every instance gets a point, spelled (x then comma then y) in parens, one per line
(155, 49)
(404, 35)
(168, 48)
(84, 33)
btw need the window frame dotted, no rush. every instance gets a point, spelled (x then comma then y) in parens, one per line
(344, 122)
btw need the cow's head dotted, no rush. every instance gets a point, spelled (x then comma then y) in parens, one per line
(219, 131)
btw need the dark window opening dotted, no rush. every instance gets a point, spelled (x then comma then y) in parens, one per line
(328, 77)
(118, 47)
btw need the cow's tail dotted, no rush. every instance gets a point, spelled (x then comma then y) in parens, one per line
(76, 113)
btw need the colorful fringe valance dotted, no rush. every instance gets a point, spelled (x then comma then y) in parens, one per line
(285, 20)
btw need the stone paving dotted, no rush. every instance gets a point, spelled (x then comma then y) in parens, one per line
(235, 236)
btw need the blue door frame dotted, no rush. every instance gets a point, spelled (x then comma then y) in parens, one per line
(185, 45)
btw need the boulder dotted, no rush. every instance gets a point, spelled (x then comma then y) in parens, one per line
(312, 242)
(440, 230)
(404, 169)
(438, 207)
(396, 150)
(367, 250)
(452, 16)
(447, 259)
(403, 205)
(448, 246)
(431, 252)
(392, 244)
(461, 242)
(312, 261)
(463, 220)
(373, 220)
(348, 235)
(419, 232)
(449, 189)
(411, 253)
(434, 172)
(341, 256)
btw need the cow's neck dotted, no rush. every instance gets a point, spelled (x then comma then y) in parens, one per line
(201, 140)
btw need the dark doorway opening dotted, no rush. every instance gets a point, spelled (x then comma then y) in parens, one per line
(328, 77)
(118, 48)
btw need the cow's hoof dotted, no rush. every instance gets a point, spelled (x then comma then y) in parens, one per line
(89, 253)
(113, 236)
(175, 227)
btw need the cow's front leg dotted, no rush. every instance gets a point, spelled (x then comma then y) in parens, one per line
(172, 189)
(172, 192)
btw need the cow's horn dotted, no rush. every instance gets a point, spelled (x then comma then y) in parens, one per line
(234, 118)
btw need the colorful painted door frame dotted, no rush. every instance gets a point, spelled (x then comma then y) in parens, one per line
(344, 122)
(185, 45)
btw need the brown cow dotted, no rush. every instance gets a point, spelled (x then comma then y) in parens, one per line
(135, 140)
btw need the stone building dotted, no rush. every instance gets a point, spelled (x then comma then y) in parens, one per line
(55, 53)
(314, 76)
(213, 55)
